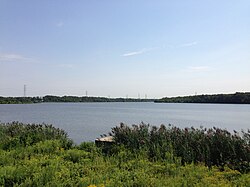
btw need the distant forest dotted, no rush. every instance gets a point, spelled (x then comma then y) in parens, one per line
(236, 98)
(50, 98)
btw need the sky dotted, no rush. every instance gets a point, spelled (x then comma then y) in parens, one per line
(132, 48)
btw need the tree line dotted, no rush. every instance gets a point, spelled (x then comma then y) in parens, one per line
(51, 98)
(236, 98)
(20, 100)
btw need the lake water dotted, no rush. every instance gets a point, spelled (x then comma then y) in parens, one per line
(87, 121)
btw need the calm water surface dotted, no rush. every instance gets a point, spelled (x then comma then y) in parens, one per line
(86, 121)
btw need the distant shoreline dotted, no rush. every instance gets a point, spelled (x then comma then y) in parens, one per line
(236, 98)
(66, 99)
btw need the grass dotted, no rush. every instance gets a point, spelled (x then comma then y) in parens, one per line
(55, 161)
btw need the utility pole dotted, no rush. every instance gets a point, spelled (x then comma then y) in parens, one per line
(24, 90)
(86, 93)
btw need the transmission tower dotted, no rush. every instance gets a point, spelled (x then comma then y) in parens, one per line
(24, 90)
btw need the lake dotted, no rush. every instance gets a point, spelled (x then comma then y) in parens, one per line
(87, 121)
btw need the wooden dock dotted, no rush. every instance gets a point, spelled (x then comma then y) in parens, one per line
(104, 141)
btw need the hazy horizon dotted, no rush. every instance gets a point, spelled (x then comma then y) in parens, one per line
(124, 48)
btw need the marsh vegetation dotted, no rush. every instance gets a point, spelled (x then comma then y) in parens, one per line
(42, 155)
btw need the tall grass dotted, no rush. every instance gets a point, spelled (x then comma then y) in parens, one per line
(213, 146)
(143, 157)
(16, 134)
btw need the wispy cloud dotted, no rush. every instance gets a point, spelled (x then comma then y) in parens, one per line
(144, 50)
(65, 65)
(198, 68)
(134, 53)
(60, 24)
(10, 57)
(168, 46)
(188, 44)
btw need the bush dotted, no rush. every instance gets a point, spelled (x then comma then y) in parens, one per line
(17, 134)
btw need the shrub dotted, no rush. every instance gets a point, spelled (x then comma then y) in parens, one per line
(17, 134)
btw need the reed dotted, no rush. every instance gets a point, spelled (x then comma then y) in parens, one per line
(213, 146)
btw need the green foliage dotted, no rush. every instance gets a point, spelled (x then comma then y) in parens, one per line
(19, 100)
(49, 162)
(237, 98)
(75, 155)
(51, 98)
(17, 134)
(214, 147)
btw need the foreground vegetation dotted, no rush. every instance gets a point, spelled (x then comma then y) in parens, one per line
(213, 147)
(237, 98)
(51, 98)
(41, 155)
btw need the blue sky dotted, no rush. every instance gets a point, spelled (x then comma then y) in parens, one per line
(118, 48)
